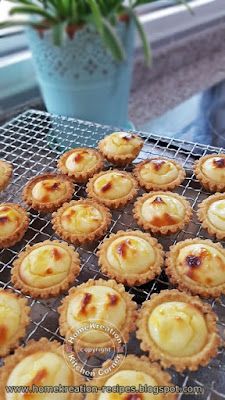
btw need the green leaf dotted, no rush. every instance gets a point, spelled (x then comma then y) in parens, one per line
(143, 36)
(57, 34)
(32, 10)
(97, 16)
(112, 41)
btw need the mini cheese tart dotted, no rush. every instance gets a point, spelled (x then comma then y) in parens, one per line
(210, 171)
(5, 174)
(197, 265)
(81, 221)
(48, 192)
(178, 330)
(121, 148)
(40, 363)
(14, 222)
(113, 188)
(46, 269)
(211, 213)
(162, 212)
(131, 257)
(137, 372)
(81, 163)
(100, 301)
(14, 318)
(159, 174)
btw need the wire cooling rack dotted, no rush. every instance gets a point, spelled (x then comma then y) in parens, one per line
(32, 142)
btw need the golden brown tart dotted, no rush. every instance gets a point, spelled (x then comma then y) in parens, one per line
(14, 319)
(159, 173)
(5, 174)
(131, 257)
(101, 301)
(178, 330)
(112, 188)
(81, 221)
(211, 213)
(48, 192)
(162, 212)
(121, 148)
(137, 372)
(40, 363)
(46, 269)
(210, 171)
(197, 265)
(81, 163)
(14, 222)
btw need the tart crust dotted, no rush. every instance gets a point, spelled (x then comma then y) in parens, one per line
(81, 176)
(114, 203)
(164, 229)
(158, 162)
(182, 280)
(139, 364)
(46, 292)
(48, 206)
(205, 181)
(13, 343)
(77, 237)
(8, 169)
(192, 362)
(131, 313)
(204, 219)
(32, 347)
(17, 235)
(121, 159)
(124, 276)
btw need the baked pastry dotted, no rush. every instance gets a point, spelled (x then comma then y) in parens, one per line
(14, 318)
(40, 363)
(81, 163)
(48, 192)
(131, 257)
(14, 222)
(46, 269)
(210, 171)
(178, 330)
(99, 301)
(197, 265)
(120, 148)
(211, 213)
(81, 221)
(134, 371)
(162, 212)
(112, 188)
(5, 174)
(159, 173)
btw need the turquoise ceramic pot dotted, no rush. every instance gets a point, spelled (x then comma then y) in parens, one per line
(80, 79)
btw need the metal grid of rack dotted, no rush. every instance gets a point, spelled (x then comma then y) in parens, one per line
(32, 142)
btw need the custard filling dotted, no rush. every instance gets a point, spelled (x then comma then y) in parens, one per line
(49, 190)
(128, 378)
(163, 210)
(202, 264)
(10, 314)
(112, 186)
(131, 254)
(99, 303)
(159, 172)
(178, 329)
(214, 168)
(45, 266)
(81, 160)
(81, 219)
(10, 220)
(43, 368)
(216, 214)
(121, 143)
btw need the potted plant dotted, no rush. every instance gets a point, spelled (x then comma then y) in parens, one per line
(83, 52)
